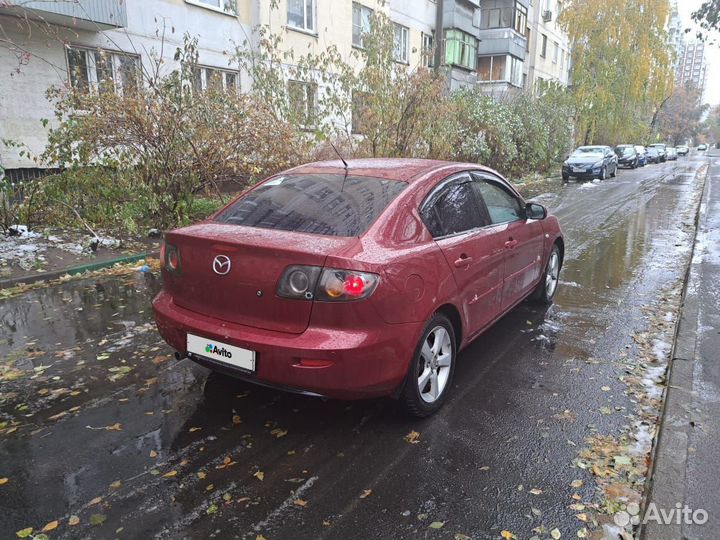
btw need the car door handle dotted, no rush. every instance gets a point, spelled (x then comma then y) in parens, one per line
(463, 261)
(510, 244)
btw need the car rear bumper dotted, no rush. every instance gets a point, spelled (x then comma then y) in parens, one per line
(360, 363)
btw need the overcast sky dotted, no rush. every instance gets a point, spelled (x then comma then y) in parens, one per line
(712, 51)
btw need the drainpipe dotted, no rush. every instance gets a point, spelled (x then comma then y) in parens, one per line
(439, 34)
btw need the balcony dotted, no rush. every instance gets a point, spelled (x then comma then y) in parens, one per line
(495, 41)
(93, 15)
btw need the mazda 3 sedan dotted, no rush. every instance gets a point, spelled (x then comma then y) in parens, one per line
(590, 162)
(356, 282)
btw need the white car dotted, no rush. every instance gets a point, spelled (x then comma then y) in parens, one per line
(702, 147)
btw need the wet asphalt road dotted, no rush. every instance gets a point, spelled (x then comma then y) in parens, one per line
(92, 405)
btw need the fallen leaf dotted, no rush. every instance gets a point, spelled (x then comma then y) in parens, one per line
(605, 388)
(94, 501)
(436, 525)
(227, 497)
(577, 507)
(259, 475)
(576, 483)
(50, 526)
(300, 502)
(413, 437)
(461, 536)
(536, 511)
(556, 534)
(201, 475)
(277, 432)
(170, 474)
(581, 517)
(536, 491)
(210, 487)
(153, 454)
(236, 419)
(483, 468)
(507, 535)
(366, 493)
(260, 537)
(97, 519)
(24, 533)
(3, 481)
(117, 484)
(194, 429)
(212, 509)
(115, 427)
(622, 460)
(582, 533)
(74, 520)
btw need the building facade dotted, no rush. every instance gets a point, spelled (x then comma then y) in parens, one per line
(492, 44)
(692, 66)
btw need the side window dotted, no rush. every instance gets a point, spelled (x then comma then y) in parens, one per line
(502, 206)
(453, 210)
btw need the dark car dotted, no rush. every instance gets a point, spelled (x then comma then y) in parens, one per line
(358, 280)
(627, 156)
(653, 155)
(662, 151)
(642, 154)
(590, 162)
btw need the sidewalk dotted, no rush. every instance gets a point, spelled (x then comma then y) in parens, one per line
(687, 457)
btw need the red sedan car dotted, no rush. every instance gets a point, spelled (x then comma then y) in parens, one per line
(356, 282)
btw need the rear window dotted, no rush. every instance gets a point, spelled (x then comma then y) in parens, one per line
(328, 204)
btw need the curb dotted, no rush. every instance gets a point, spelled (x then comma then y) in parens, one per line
(90, 267)
(670, 451)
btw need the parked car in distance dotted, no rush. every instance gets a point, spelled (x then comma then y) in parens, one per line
(627, 156)
(662, 152)
(683, 150)
(356, 281)
(653, 155)
(702, 147)
(642, 154)
(590, 162)
(672, 153)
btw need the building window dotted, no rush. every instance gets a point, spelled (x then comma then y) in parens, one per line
(501, 68)
(428, 50)
(543, 46)
(556, 52)
(400, 43)
(226, 6)
(520, 18)
(360, 23)
(302, 97)
(301, 14)
(104, 70)
(460, 49)
(209, 78)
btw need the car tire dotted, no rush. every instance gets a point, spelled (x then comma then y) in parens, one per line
(614, 173)
(565, 177)
(431, 369)
(603, 174)
(547, 287)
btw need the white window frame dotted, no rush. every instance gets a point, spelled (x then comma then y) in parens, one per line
(401, 43)
(315, 87)
(233, 11)
(361, 9)
(91, 65)
(310, 28)
(427, 42)
(223, 71)
(556, 52)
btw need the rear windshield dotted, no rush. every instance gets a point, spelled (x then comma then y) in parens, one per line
(328, 204)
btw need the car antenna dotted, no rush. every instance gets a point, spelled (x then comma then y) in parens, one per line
(340, 156)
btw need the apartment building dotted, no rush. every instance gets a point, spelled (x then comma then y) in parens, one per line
(692, 65)
(549, 53)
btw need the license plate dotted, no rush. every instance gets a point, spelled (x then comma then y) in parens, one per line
(221, 352)
(578, 169)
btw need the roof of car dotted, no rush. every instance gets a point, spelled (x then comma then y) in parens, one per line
(403, 169)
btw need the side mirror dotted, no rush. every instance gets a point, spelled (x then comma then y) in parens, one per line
(535, 211)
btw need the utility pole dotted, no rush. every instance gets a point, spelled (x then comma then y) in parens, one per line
(439, 34)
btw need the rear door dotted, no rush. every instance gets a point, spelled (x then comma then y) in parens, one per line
(521, 239)
(472, 248)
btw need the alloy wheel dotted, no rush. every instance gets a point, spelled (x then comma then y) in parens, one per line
(435, 364)
(552, 275)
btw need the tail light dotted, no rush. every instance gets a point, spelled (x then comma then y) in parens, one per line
(170, 257)
(326, 285)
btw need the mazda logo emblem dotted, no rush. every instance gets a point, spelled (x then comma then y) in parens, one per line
(221, 265)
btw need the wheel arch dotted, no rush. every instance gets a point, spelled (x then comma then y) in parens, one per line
(560, 243)
(453, 315)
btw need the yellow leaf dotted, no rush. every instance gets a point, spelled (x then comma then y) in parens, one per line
(300, 502)
(170, 474)
(115, 427)
(366, 493)
(193, 429)
(96, 500)
(259, 475)
(576, 483)
(153, 454)
(413, 437)
(236, 419)
(50, 526)
(74, 520)
(507, 535)
(260, 537)
(536, 491)
(277, 432)
(3, 481)
(581, 517)
(201, 475)
(555, 533)
(24, 533)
